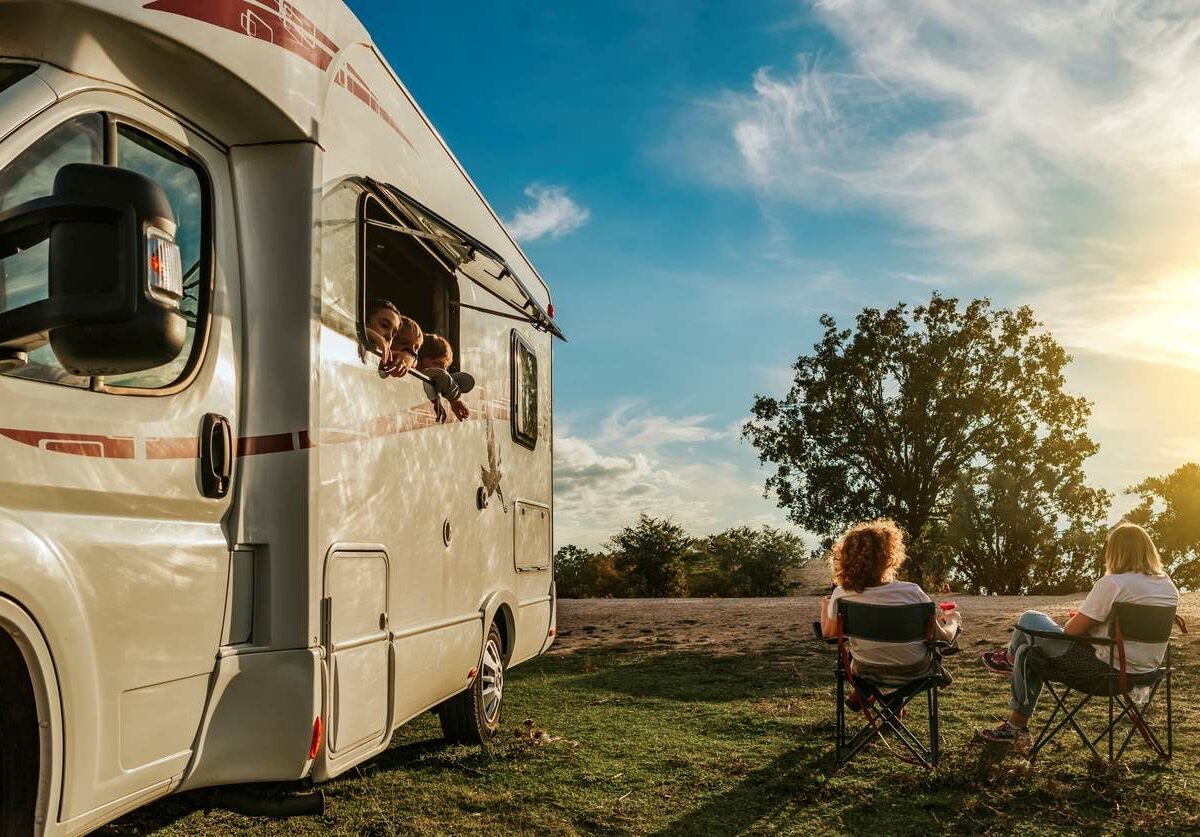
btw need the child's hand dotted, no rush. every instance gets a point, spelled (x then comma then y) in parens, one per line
(461, 411)
(400, 363)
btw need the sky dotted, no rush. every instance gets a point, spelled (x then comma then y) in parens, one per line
(699, 181)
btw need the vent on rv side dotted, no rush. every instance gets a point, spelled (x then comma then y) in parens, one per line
(531, 536)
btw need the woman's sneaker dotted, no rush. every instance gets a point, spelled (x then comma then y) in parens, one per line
(1006, 733)
(997, 661)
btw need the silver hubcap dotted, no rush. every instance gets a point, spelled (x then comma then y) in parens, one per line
(492, 678)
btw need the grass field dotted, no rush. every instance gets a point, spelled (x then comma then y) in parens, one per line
(716, 717)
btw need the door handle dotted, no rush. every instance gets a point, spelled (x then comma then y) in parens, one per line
(216, 455)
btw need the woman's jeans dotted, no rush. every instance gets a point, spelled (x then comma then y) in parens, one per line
(1026, 684)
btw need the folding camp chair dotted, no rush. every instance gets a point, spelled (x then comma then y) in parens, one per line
(883, 701)
(1138, 623)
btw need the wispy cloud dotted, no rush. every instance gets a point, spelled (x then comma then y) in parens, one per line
(640, 461)
(553, 213)
(1055, 148)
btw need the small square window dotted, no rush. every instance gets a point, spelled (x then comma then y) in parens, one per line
(524, 393)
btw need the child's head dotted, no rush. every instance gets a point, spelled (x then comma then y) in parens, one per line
(409, 337)
(868, 555)
(383, 318)
(1130, 550)
(435, 351)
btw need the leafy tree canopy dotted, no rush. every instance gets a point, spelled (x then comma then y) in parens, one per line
(950, 419)
(1170, 510)
(652, 557)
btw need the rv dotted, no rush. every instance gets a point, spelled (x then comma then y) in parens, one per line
(236, 545)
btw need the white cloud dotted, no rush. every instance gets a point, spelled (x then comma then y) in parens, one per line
(643, 462)
(1056, 149)
(553, 213)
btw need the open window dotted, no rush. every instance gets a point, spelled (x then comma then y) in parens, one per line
(465, 255)
(406, 271)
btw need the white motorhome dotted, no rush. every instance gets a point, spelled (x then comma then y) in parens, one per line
(231, 550)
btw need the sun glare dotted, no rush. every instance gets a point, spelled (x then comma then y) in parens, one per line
(1160, 321)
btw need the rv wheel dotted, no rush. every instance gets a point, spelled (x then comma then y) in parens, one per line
(473, 716)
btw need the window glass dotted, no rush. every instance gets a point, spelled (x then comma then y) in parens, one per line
(10, 74)
(24, 277)
(525, 393)
(179, 178)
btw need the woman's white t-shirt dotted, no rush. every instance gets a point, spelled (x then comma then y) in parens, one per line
(1135, 588)
(871, 652)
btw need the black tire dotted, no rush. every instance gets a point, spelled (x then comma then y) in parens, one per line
(473, 716)
(19, 750)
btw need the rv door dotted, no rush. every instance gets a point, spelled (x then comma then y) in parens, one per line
(113, 473)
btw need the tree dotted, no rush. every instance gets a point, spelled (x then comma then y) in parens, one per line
(580, 574)
(1170, 511)
(890, 417)
(756, 562)
(1004, 526)
(652, 557)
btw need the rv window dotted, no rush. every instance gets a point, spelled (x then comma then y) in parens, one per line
(181, 179)
(24, 276)
(10, 74)
(524, 409)
(404, 271)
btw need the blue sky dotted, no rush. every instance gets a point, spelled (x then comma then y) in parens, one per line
(699, 181)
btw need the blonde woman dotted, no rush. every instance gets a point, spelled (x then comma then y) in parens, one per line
(1133, 573)
(865, 561)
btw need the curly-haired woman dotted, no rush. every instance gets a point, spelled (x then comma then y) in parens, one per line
(865, 561)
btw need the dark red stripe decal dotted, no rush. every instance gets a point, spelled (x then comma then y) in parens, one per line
(274, 21)
(278, 22)
(188, 447)
(79, 444)
(270, 443)
(172, 448)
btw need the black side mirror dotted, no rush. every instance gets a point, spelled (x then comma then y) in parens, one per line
(115, 278)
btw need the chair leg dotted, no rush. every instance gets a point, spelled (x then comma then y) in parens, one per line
(1110, 719)
(934, 737)
(1170, 741)
(841, 718)
(1046, 734)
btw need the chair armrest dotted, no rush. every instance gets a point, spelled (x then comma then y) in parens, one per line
(1086, 640)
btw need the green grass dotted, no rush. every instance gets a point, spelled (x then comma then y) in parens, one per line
(651, 740)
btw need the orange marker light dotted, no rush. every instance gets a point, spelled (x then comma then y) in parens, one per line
(315, 746)
(471, 674)
(553, 631)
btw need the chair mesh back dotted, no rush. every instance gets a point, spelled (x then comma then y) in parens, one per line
(1144, 623)
(886, 623)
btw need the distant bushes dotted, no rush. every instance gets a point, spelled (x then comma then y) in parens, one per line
(655, 558)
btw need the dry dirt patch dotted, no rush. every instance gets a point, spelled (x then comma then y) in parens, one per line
(739, 625)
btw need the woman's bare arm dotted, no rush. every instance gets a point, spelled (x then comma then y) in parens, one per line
(828, 626)
(1080, 625)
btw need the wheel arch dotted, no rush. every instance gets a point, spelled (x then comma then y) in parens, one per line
(26, 635)
(500, 608)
